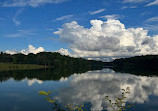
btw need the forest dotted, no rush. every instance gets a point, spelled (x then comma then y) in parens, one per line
(144, 65)
(49, 59)
(135, 65)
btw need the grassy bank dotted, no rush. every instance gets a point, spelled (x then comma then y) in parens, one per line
(10, 66)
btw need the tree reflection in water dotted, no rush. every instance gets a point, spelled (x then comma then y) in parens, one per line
(91, 87)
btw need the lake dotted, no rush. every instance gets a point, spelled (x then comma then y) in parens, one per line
(19, 89)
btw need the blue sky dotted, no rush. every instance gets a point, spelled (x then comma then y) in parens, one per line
(33, 22)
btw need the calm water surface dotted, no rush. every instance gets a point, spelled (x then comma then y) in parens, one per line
(19, 90)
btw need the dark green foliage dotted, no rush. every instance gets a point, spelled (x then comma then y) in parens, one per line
(42, 74)
(149, 62)
(144, 65)
(49, 59)
(11, 66)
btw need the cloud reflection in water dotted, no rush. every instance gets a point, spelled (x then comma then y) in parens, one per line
(94, 86)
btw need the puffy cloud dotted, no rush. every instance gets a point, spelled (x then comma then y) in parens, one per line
(94, 86)
(32, 3)
(96, 12)
(107, 38)
(11, 52)
(153, 3)
(31, 49)
(63, 51)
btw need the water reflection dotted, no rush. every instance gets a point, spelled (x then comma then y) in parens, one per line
(33, 81)
(94, 86)
(75, 87)
(41, 74)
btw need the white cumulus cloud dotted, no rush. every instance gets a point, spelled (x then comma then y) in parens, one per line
(63, 51)
(31, 49)
(107, 38)
(11, 52)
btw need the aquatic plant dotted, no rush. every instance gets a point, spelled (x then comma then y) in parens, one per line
(58, 107)
(119, 103)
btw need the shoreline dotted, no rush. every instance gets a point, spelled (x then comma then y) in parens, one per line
(11, 66)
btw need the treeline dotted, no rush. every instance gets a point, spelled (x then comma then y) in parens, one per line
(137, 65)
(148, 61)
(49, 59)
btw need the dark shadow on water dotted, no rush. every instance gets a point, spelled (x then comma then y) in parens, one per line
(43, 74)
(136, 70)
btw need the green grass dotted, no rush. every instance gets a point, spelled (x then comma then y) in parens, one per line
(11, 66)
